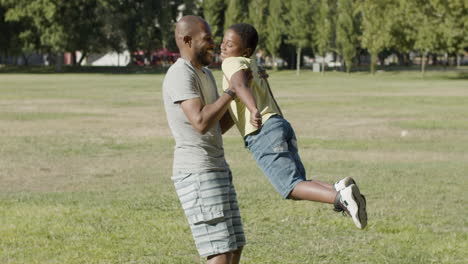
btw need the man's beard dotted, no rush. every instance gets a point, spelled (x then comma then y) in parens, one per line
(202, 57)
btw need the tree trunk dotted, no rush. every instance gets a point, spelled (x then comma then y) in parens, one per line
(423, 63)
(83, 56)
(59, 62)
(458, 61)
(373, 62)
(382, 62)
(73, 58)
(298, 60)
(25, 59)
(273, 61)
(435, 60)
(323, 63)
(408, 59)
(401, 58)
(348, 64)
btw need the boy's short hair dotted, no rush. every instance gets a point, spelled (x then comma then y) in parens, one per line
(248, 35)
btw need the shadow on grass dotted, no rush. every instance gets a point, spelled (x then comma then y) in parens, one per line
(437, 72)
(459, 76)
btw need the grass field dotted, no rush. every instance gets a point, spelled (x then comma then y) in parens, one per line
(85, 166)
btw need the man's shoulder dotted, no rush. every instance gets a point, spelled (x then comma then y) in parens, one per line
(181, 67)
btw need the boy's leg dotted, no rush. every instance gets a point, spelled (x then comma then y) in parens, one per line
(326, 185)
(313, 191)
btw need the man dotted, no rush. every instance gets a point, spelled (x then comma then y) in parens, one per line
(195, 113)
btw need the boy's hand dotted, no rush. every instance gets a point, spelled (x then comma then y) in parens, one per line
(256, 119)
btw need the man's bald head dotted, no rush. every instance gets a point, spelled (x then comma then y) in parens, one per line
(189, 26)
(194, 40)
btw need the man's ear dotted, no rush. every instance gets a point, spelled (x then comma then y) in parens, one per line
(188, 40)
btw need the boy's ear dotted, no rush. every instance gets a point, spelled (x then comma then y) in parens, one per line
(248, 52)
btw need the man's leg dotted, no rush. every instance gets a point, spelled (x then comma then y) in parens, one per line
(236, 255)
(217, 233)
(224, 258)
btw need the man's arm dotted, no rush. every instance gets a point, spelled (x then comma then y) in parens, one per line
(226, 122)
(239, 83)
(203, 117)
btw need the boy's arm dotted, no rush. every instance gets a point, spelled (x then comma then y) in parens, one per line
(239, 83)
(203, 117)
(226, 122)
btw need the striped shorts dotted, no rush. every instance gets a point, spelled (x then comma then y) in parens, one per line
(210, 205)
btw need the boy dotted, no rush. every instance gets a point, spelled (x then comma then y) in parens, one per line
(269, 137)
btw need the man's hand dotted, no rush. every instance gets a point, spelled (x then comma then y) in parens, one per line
(256, 119)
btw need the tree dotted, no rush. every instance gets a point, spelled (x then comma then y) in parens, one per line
(213, 12)
(274, 28)
(347, 31)
(191, 7)
(57, 26)
(142, 25)
(376, 27)
(11, 43)
(323, 30)
(425, 21)
(299, 20)
(236, 12)
(258, 14)
(402, 31)
(454, 26)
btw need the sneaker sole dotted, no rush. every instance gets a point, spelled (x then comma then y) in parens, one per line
(360, 220)
(347, 182)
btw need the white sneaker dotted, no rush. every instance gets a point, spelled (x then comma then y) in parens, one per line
(354, 204)
(340, 185)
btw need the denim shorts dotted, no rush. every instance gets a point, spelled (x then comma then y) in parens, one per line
(210, 205)
(274, 148)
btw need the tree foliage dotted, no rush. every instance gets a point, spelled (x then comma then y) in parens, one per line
(323, 30)
(299, 21)
(258, 14)
(213, 12)
(378, 27)
(347, 31)
(274, 28)
(236, 12)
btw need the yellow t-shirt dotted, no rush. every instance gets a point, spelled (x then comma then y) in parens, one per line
(265, 103)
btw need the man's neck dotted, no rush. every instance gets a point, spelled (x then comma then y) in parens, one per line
(192, 61)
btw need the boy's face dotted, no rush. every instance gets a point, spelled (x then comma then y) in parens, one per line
(232, 46)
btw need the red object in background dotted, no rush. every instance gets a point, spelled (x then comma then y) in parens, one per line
(163, 57)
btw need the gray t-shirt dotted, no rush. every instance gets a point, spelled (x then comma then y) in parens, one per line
(193, 152)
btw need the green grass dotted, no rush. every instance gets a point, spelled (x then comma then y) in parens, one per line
(85, 166)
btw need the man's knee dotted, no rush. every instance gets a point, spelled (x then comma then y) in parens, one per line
(223, 258)
(236, 255)
(238, 251)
